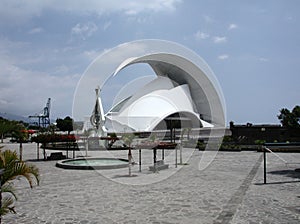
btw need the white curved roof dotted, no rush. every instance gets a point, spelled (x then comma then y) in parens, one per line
(156, 101)
(182, 71)
(184, 84)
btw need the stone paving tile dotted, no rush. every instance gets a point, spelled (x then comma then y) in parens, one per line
(229, 190)
(276, 202)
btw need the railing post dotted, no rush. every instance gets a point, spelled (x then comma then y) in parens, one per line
(154, 159)
(38, 151)
(265, 165)
(140, 160)
(176, 156)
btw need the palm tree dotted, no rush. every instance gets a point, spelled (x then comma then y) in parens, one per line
(21, 135)
(6, 127)
(12, 167)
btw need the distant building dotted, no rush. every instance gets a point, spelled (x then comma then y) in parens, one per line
(249, 133)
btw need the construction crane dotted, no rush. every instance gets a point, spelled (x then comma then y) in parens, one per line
(44, 116)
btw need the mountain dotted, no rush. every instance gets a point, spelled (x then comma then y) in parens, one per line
(14, 117)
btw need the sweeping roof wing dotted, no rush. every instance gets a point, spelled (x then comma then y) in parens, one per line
(167, 59)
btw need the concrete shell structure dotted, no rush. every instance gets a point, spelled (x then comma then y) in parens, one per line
(184, 87)
(180, 88)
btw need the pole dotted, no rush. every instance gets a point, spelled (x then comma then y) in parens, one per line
(68, 147)
(37, 151)
(176, 157)
(86, 141)
(140, 160)
(44, 150)
(154, 159)
(129, 161)
(265, 165)
(21, 150)
(174, 134)
(180, 153)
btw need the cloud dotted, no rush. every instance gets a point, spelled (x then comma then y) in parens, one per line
(15, 11)
(106, 25)
(218, 40)
(61, 69)
(36, 30)
(223, 56)
(91, 54)
(201, 35)
(8, 47)
(84, 30)
(136, 7)
(207, 19)
(24, 89)
(232, 26)
(263, 59)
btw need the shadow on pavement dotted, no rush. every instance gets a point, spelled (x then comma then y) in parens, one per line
(287, 173)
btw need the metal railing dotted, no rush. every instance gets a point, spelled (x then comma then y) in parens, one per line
(265, 149)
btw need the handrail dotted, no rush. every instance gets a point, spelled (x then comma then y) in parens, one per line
(285, 162)
(265, 161)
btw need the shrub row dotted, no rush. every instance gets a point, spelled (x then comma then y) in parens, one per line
(46, 138)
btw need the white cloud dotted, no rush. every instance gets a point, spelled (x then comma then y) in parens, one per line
(36, 30)
(15, 11)
(7, 46)
(223, 56)
(263, 59)
(24, 90)
(84, 30)
(208, 19)
(91, 55)
(61, 70)
(136, 7)
(106, 25)
(218, 40)
(232, 26)
(201, 35)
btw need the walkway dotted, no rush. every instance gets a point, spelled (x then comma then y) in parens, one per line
(230, 190)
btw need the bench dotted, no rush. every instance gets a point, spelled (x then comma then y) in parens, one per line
(159, 165)
(56, 156)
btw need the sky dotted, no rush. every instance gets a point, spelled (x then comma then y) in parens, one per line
(251, 46)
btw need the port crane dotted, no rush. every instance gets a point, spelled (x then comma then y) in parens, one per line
(44, 116)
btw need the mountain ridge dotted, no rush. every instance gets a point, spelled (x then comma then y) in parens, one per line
(14, 117)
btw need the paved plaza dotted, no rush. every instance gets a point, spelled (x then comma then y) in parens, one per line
(229, 190)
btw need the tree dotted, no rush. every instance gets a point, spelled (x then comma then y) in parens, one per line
(65, 124)
(296, 112)
(21, 136)
(290, 119)
(15, 128)
(6, 127)
(12, 167)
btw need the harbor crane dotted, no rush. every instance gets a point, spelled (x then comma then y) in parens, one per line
(44, 116)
